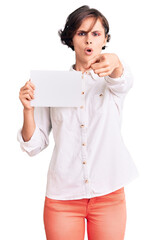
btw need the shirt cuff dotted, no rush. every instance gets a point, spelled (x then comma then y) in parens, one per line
(34, 141)
(118, 80)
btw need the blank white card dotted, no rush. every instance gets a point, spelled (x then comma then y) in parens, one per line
(56, 88)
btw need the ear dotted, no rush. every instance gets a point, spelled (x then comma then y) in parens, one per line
(104, 43)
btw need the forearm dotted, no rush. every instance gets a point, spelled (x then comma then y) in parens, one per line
(28, 124)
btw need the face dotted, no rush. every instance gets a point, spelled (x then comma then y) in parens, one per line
(94, 40)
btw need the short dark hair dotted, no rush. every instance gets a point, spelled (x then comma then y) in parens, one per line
(74, 21)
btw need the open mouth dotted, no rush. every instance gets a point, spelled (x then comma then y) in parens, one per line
(88, 51)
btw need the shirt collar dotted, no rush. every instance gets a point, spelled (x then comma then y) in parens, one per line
(89, 72)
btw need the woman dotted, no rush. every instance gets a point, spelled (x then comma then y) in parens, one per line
(90, 164)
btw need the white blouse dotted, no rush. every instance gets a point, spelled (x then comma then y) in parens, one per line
(89, 157)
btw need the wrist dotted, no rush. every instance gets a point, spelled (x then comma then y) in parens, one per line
(28, 110)
(118, 70)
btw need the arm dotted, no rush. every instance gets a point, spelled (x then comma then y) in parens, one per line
(34, 136)
(28, 125)
(117, 74)
(118, 71)
(120, 85)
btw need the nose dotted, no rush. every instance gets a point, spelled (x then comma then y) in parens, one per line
(88, 40)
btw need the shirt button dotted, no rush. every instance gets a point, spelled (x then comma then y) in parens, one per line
(86, 181)
(101, 95)
(84, 162)
(82, 92)
(81, 106)
(82, 126)
(83, 144)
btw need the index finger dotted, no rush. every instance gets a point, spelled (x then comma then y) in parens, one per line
(31, 84)
(98, 65)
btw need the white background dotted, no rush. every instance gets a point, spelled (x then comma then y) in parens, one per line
(29, 40)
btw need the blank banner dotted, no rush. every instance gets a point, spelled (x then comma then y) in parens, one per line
(56, 88)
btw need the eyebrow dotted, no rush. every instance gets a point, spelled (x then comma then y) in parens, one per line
(87, 31)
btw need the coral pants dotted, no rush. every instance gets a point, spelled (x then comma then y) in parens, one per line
(106, 217)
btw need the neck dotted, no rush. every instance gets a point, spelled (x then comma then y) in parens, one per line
(80, 67)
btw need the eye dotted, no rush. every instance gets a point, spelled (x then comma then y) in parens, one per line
(81, 33)
(96, 34)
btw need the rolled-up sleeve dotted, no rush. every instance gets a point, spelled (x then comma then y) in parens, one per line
(120, 85)
(40, 137)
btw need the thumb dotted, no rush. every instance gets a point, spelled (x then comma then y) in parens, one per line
(93, 60)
